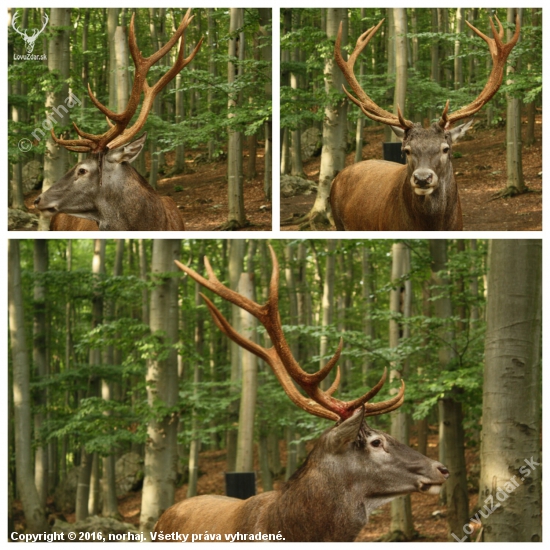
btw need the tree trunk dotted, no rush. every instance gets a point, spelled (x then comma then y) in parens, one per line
(236, 260)
(451, 437)
(162, 388)
(400, 92)
(194, 447)
(40, 360)
(459, 79)
(56, 157)
(236, 218)
(402, 528)
(434, 72)
(327, 306)
(265, 21)
(34, 513)
(245, 440)
(335, 122)
(515, 184)
(510, 454)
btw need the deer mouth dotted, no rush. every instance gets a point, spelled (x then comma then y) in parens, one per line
(47, 211)
(423, 191)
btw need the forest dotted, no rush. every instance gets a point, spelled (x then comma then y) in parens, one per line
(208, 127)
(125, 396)
(418, 60)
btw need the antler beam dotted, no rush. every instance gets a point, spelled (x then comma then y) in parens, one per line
(363, 101)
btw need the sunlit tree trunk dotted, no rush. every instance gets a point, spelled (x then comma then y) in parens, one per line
(511, 470)
(333, 154)
(162, 387)
(400, 92)
(249, 387)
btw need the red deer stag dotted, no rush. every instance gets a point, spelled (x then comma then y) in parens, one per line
(352, 469)
(377, 195)
(104, 188)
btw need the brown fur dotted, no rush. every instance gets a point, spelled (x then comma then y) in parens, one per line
(375, 195)
(64, 222)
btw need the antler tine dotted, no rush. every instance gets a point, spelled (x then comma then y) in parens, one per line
(374, 409)
(499, 53)
(76, 145)
(363, 101)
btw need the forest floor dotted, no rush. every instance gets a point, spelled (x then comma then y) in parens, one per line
(428, 514)
(480, 173)
(203, 197)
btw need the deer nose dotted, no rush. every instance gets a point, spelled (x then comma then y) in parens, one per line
(444, 471)
(423, 178)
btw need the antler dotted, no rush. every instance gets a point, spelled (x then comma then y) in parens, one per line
(280, 358)
(118, 134)
(363, 101)
(499, 52)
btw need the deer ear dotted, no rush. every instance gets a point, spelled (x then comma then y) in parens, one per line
(128, 152)
(460, 131)
(346, 432)
(399, 132)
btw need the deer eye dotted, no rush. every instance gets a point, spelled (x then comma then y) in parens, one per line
(376, 443)
(445, 149)
(407, 150)
(82, 171)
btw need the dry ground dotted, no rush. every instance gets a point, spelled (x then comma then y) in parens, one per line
(480, 173)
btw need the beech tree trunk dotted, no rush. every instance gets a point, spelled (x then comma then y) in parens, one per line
(34, 513)
(162, 387)
(451, 435)
(515, 183)
(335, 122)
(249, 387)
(510, 456)
(236, 218)
(56, 157)
(402, 528)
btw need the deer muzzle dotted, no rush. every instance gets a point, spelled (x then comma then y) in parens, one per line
(424, 181)
(48, 210)
(433, 486)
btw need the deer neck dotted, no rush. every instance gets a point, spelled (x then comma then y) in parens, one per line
(127, 203)
(317, 504)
